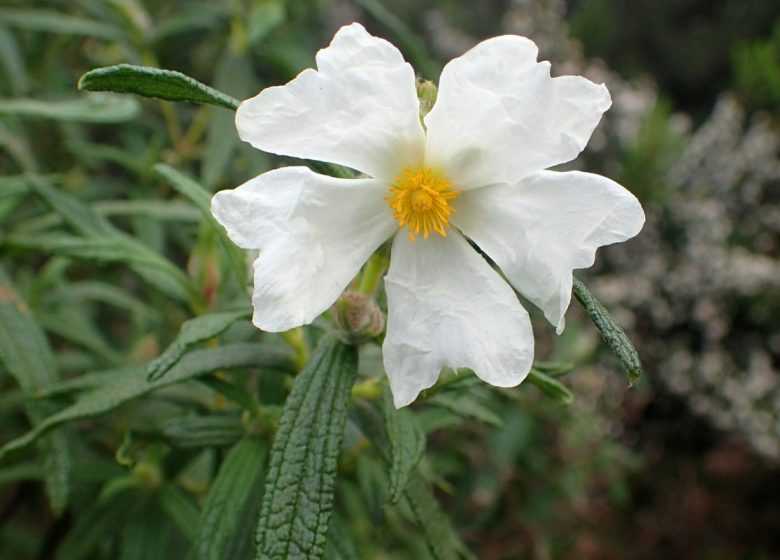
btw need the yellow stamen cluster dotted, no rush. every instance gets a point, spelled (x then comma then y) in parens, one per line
(420, 198)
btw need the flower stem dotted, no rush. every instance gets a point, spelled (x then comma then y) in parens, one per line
(372, 272)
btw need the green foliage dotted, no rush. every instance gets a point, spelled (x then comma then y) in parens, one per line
(613, 334)
(126, 354)
(241, 471)
(757, 71)
(297, 506)
(154, 82)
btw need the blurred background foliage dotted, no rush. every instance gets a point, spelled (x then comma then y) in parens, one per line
(683, 465)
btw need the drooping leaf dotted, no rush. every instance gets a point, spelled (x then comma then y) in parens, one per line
(97, 108)
(611, 332)
(26, 355)
(192, 332)
(296, 510)
(241, 471)
(407, 445)
(550, 387)
(133, 383)
(154, 82)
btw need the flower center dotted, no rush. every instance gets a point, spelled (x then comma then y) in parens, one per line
(420, 198)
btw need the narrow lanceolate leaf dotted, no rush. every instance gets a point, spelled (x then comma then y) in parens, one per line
(220, 516)
(613, 334)
(443, 542)
(26, 355)
(133, 384)
(202, 431)
(154, 82)
(98, 108)
(296, 510)
(407, 445)
(201, 198)
(550, 387)
(192, 332)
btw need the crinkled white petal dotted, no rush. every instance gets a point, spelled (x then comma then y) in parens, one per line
(359, 109)
(448, 307)
(541, 228)
(499, 116)
(314, 233)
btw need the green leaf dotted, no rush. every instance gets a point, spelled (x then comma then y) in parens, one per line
(180, 508)
(202, 431)
(296, 511)
(202, 200)
(466, 405)
(442, 540)
(59, 23)
(550, 387)
(26, 355)
(407, 445)
(154, 268)
(131, 383)
(97, 524)
(613, 334)
(98, 108)
(192, 332)
(146, 535)
(11, 59)
(77, 214)
(227, 497)
(233, 71)
(154, 82)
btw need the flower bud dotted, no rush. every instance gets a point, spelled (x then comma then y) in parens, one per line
(358, 317)
(426, 93)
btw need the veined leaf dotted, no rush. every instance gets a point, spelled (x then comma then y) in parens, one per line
(407, 445)
(202, 431)
(154, 82)
(192, 332)
(298, 501)
(550, 387)
(26, 355)
(443, 542)
(611, 332)
(98, 108)
(241, 471)
(133, 383)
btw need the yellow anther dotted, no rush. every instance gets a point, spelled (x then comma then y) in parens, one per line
(420, 198)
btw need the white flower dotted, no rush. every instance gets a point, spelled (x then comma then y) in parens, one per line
(474, 170)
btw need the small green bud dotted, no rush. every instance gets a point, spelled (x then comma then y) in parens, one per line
(358, 317)
(426, 93)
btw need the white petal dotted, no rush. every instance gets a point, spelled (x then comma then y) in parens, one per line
(448, 307)
(314, 233)
(542, 227)
(500, 117)
(359, 109)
